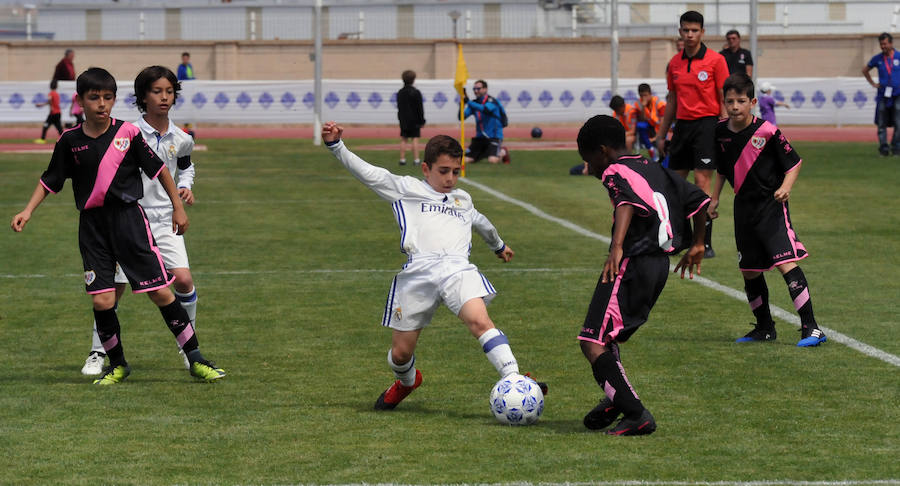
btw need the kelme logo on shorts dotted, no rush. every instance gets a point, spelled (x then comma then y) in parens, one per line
(702, 75)
(89, 277)
(122, 143)
(758, 142)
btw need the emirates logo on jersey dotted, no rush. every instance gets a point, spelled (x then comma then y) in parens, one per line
(758, 142)
(122, 143)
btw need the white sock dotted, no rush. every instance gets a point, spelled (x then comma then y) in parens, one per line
(496, 348)
(405, 372)
(96, 345)
(189, 302)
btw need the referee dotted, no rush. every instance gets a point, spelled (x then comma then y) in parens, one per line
(694, 77)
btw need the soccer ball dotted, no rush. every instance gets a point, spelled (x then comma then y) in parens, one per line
(536, 132)
(517, 400)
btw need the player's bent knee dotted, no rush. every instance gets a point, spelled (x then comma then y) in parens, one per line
(161, 297)
(104, 301)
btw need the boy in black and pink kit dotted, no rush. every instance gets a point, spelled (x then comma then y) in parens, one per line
(762, 167)
(652, 206)
(104, 158)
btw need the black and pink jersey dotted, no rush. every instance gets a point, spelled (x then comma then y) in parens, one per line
(663, 203)
(103, 169)
(755, 159)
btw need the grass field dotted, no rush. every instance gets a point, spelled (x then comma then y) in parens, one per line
(293, 258)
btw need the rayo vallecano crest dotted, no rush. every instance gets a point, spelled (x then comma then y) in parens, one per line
(758, 142)
(122, 143)
(89, 277)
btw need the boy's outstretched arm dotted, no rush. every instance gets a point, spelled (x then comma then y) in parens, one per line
(20, 220)
(622, 220)
(179, 217)
(694, 254)
(505, 253)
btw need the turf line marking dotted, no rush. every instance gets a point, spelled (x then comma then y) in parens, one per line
(736, 294)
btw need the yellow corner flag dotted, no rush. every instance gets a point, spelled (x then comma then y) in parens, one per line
(459, 82)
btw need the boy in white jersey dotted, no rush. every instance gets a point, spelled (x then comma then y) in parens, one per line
(156, 89)
(436, 221)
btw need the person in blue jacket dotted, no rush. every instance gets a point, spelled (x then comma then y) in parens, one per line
(887, 109)
(490, 118)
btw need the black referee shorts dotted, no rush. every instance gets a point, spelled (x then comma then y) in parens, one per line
(694, 144)
(620, 307)
(120, 233)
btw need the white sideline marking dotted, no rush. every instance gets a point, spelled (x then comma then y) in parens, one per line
(736, 294)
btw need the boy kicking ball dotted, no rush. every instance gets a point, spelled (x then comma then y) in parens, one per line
(436, 220)
(762, 167)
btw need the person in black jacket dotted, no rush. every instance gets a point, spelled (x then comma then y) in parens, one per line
(411, 114)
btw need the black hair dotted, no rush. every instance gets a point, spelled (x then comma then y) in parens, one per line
(440, 145)
(885, 35)
(146, 78)
(644, 88)
(740, 83)
(691, 17)
(616, 102)
(408, 77)
(53, 84)
(483, 83)
(733, 32)
(188, 54)
(95, 79)
(600, 130)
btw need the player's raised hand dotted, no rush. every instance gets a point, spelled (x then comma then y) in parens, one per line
(331, 131)
(692, 257)
(505, 254)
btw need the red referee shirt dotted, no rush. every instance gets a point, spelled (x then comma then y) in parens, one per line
(697, 82)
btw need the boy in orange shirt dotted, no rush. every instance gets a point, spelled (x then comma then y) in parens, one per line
(55, 116)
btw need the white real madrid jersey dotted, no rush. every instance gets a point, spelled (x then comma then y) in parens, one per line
(432, 224)
(172, 146)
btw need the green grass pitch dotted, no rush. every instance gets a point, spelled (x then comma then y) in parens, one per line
(293, 258)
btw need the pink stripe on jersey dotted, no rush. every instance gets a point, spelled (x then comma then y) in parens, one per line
(795, 243)
(642, 189)
(751, 152)
(801, 299)
(109, 164)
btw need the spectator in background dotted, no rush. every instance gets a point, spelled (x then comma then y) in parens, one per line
(65, 68)
(76, 111)
(627, 116)
(739, 60)
(489, 122)
(185, 69)
(887, 110)
(767, 102)
(411, 113)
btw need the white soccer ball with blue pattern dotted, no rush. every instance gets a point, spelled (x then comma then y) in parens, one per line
(517, 400)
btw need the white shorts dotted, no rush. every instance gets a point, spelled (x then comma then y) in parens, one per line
(417, 291)
(171, 245)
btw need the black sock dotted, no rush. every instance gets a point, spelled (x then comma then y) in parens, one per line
(799, 289)
(180, 325)
(758, 297)
(707, 238)
(610, 375)
(108, 330)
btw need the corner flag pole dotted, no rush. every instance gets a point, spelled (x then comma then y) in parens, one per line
(459, 82)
